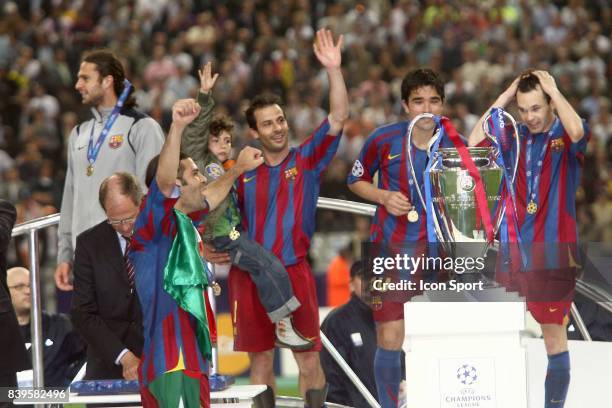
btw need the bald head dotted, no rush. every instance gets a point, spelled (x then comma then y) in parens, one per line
(119, 184)
(18, 281)
(120, 197)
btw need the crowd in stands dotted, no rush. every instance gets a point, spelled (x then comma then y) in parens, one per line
(259, 45)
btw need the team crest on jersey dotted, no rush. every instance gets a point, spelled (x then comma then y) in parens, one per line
(357, 170)
(557, 144)
(115, 141)
(291, 174)
(213, 171)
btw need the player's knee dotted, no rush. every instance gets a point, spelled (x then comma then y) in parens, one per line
(390, 336)
(308, 363)
(262, 362)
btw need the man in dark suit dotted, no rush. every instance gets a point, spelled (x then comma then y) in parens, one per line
(105, 308)
(13, 354)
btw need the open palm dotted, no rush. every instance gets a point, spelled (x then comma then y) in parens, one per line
(328, 53)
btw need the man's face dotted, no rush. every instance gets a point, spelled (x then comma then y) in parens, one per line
(534, 110)
(272, 128)
(19, 287)
(192, 184)
(221, 146)
(121, 213)
(424, 100)
(89, 84)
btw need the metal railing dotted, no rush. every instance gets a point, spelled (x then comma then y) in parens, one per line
(30, 228)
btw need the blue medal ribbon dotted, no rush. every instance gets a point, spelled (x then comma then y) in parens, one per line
(534, 171)
(93, 151)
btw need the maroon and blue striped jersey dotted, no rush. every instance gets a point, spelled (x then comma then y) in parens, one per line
(555, 218)
(385, 152)
(169, 332)
(278, 203)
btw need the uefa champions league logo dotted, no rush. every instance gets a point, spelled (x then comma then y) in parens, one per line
(467, 375)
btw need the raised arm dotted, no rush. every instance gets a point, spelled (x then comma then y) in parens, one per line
(330, 56)
(503, 100)
(569, 117)
(195, 138)
(184, 112)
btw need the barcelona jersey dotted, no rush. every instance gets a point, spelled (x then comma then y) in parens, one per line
(278, 203)
(169, 331)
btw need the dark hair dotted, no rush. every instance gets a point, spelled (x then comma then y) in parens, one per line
(107, 63)
(419, 78)
(154, 163)
(260, 101)
(358, 269)
(529, 82)
(128, 186)
(219, 124)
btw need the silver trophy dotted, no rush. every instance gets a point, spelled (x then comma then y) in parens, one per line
(456, 219)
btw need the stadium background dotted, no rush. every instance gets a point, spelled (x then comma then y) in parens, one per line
(256, 45)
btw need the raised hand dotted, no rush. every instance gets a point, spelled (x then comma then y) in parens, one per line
(184, 111)
(249, 158)
(328, 53)
(547, 82)
(508, 95)
(207, 79)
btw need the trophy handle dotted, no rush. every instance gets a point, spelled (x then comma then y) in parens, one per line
(517, 139)
(409, 152)
(436, 135)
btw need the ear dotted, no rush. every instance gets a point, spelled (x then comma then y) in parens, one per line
(253, 133)
(108, 82)
(405, 106)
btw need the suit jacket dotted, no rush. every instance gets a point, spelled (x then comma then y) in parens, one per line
(104, 309)
(13, 354)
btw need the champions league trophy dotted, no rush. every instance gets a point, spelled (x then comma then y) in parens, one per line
(451, 199)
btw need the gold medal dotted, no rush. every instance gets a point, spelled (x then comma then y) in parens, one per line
(413, 215)
(89, 170)
(234, 234)
(532, 207)
(216, 288)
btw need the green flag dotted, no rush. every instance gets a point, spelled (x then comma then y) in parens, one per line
(185, 278)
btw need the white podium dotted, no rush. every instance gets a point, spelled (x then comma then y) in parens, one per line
(465, 354)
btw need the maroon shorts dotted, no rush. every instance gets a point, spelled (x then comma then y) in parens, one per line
(253, 330)
(388, 311)
(550, 312)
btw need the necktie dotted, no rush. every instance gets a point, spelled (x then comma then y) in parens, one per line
(129, 267)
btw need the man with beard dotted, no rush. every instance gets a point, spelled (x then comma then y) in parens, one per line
(117, 138)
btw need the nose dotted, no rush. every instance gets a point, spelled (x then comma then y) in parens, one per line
(78, 85)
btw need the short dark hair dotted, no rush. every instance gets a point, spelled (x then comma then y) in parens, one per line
(260, 101)
(107, 63)
(529, 82)
(419, 78)
(128, 186)
(358, 269)
(154, 163)
(219, 124)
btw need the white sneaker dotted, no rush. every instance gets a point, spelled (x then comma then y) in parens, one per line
(288, 337)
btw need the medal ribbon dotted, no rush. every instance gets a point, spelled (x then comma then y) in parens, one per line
(93, 151)
(535, 171)
(468, 164)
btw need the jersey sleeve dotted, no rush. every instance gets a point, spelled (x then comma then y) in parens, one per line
(319, 149)
(367, 163)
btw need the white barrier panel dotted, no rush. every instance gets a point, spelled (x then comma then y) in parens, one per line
(462, 354)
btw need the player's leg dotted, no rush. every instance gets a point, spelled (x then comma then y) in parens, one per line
(387, 360)
(558, 372)
(311, 378)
